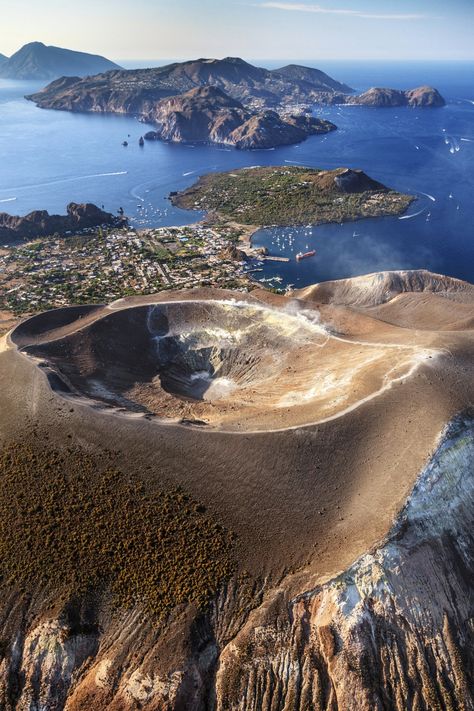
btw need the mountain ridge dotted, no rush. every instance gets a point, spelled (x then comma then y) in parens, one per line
(129, 90)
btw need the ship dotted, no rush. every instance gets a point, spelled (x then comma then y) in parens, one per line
(304, 255)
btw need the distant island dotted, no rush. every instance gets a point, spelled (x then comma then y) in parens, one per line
(40, 223)
(290, 195)
(36, 61)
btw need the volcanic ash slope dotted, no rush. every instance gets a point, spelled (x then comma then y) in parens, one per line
(241, 501)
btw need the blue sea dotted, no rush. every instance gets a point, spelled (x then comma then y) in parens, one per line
(50, 158)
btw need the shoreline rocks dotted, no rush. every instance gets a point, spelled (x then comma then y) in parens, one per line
(40, 223)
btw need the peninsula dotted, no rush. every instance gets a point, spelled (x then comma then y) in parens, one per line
(208, 115)
(291, 195)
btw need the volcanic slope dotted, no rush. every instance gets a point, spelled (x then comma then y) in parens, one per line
(300, 426)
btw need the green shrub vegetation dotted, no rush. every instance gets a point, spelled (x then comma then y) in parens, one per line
(288, 196)
(72, 523)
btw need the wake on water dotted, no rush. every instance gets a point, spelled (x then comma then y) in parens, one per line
(414, 214)
(69, 180)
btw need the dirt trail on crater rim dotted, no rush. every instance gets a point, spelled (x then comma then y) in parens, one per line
(301, 422)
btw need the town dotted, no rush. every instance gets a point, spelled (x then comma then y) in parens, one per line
(100, 265)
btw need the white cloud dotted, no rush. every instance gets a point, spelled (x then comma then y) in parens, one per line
(318, 9)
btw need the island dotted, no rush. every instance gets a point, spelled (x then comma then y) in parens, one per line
(291, 195)
(134, 91)
(40, 223)
(227, 101)
(290, 89)
(36, 61)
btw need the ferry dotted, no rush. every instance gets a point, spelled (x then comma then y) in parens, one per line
(304, 255)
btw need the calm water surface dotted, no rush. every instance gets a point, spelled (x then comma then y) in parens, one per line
(49, 158)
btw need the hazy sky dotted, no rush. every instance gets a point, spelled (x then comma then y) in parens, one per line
(254, 29)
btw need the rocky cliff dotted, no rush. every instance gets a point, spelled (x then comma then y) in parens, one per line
(40, 223)
(394, 631)
(208, 115)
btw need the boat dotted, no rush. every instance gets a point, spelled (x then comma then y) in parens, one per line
(141, 142)
(125, 143)
(305, 255)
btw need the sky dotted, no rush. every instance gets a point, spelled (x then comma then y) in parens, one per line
(253, 29)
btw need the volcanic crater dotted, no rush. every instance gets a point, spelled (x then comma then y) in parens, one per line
(226, 364)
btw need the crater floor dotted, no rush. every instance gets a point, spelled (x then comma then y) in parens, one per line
(228, 364)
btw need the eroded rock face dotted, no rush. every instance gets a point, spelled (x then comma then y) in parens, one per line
(40, 223)
(392, 632)
(208, 115)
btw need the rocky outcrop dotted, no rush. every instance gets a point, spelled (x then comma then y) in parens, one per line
(356, 181)
(423, 96)
(40, 223)
(37, 61)
(208, 115)
(267, 130)
(233, 253)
